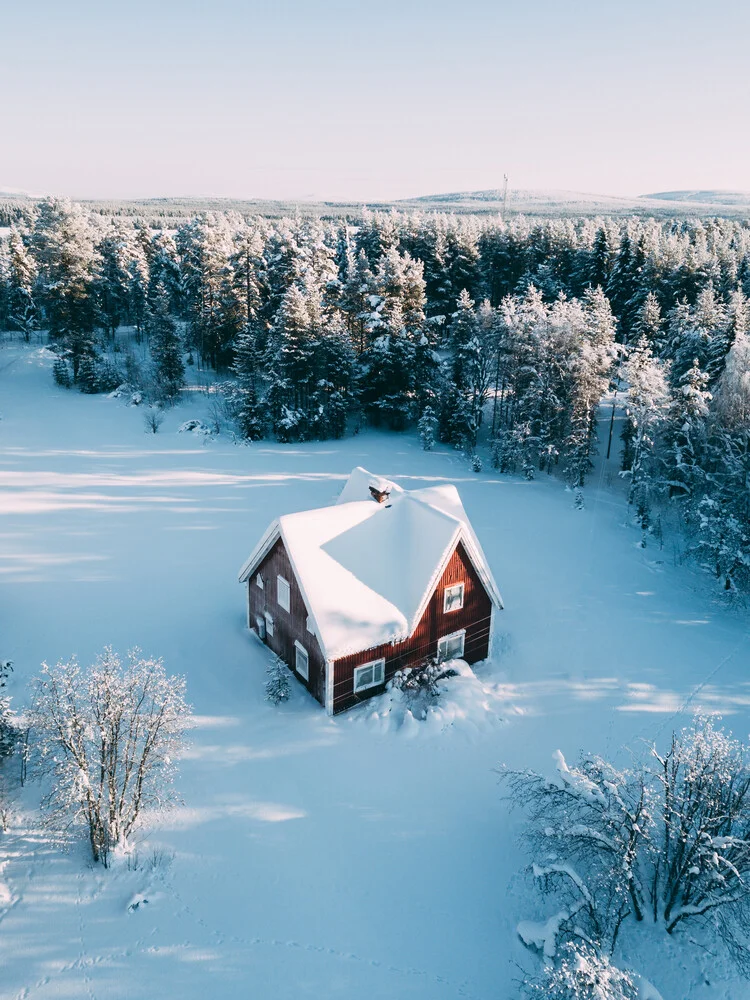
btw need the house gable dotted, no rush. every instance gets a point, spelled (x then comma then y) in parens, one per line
(474, 618)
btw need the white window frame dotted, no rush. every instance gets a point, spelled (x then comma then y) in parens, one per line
(445, 639)
(380, 662)
(308, 626)
(269, 624)
(259, 581)
(452, 587)
(286, 604)
(299, 648)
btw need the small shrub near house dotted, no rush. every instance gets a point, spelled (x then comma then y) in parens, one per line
(278, 686)
(420, 686)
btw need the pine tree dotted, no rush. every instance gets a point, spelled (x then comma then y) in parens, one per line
(278, 686)
(590, 368)
(736, 324)
(88, 376)
(166, 347)
(470, 367)
(648, 323)
(646, 410)
(21, 275)
(358, 301)
(113, 278)
(686, 433)
(290, 371)
(428, 425)
(61, 372)
(602, 256)
(249, 408)
(64, 247)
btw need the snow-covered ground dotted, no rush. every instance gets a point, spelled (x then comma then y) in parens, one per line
(316, 857)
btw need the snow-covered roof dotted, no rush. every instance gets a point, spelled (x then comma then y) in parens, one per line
(367, 570)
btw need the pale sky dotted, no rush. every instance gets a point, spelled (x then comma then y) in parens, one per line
(367, 101)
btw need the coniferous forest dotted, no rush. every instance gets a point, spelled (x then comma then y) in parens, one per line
(472, 330)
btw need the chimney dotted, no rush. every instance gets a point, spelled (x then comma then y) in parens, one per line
(379, 496)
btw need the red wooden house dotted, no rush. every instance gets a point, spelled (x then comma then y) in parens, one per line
(351, 593)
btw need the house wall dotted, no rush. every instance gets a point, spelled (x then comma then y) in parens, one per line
(474, 616)
(288, 625)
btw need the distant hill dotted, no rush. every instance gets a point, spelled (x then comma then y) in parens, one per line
(738, 198)
(535, 204)
(549, 203)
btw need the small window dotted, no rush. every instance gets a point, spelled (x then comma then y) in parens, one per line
(301, 660)
(369, 675)
(451, 647)
(283, 593)
(259, 581)
(309, 627)
(453, 598)
(269, 624)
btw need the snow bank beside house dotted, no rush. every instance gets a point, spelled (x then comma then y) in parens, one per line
(465, 703)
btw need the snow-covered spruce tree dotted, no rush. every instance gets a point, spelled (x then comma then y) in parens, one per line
(8, 729)
(723, 542)
(427, 427)
(61, 372)
(247, 405)
(64, 247)
(9, 738)
(214, 304)
(278, 686)
(105, 741)
(581, 973)
(290, 369)
(22, 272)
(88, 375)
(666, 841)
(166, 347)
(686, 433)
(590, 368)
(470, 357)
(646, 409)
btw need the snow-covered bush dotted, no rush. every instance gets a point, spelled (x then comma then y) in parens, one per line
(666, 841)
(194, 426)
(108, 376)
(278, 687)
(582, 973)
(106, 741)
(420, 686)
(476, 463)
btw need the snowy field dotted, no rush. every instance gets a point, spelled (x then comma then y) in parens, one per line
(315, 857)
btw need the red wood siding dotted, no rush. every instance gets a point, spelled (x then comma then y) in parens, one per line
(287, 625)
(474, 616)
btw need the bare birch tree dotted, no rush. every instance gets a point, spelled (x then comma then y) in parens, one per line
(107, 740)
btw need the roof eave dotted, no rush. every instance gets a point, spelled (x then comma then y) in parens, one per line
(269, 538)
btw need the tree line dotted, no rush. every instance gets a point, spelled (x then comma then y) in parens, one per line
(466, 327)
